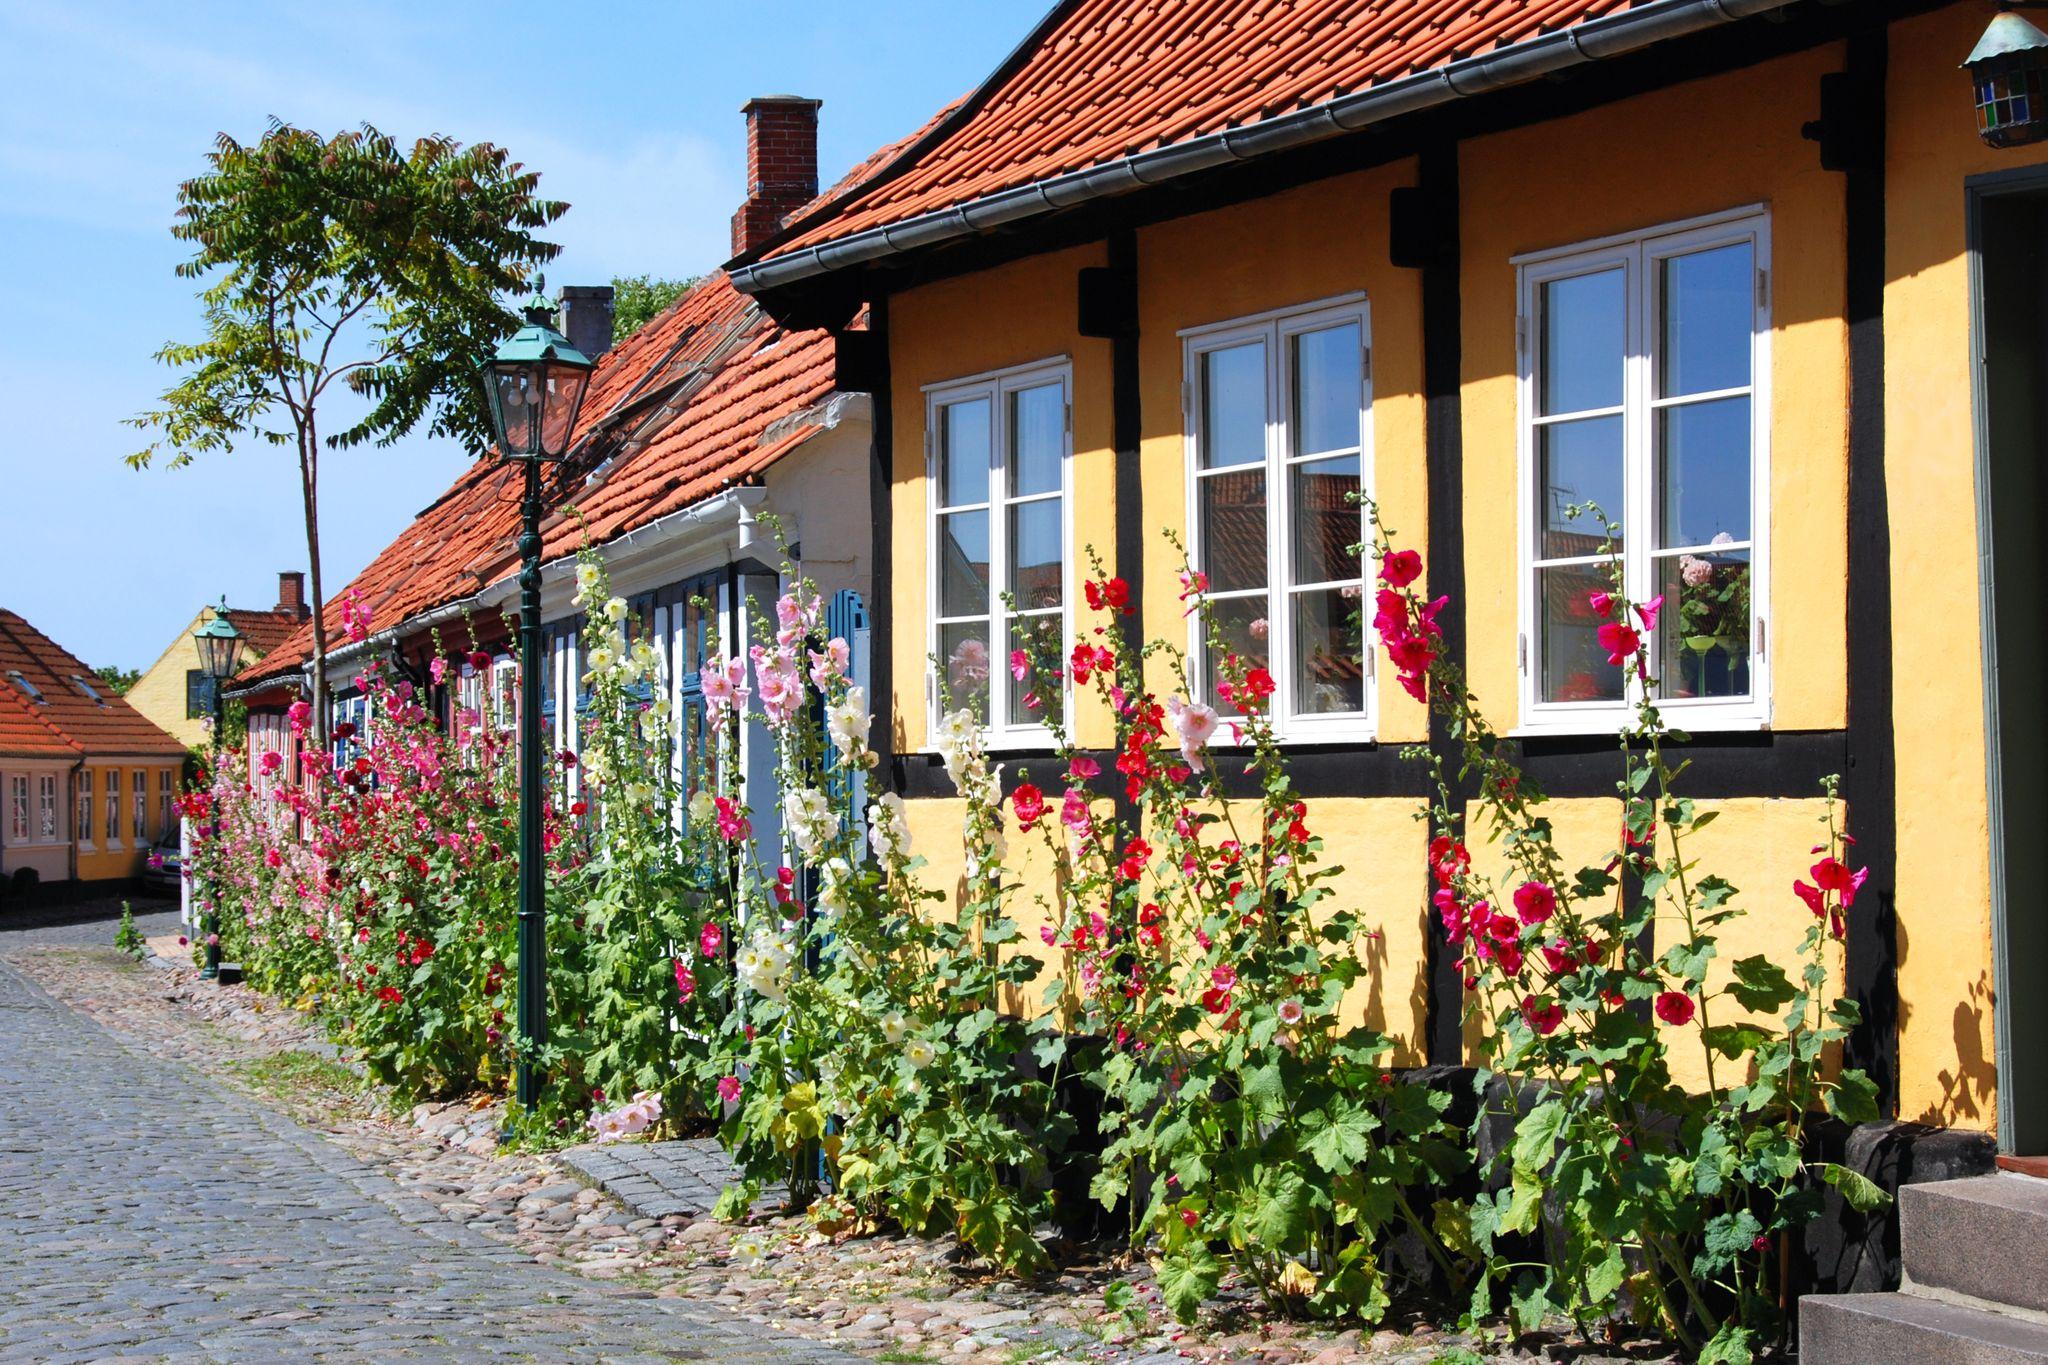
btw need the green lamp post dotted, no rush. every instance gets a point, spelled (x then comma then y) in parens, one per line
(534, 386)
(220, 658)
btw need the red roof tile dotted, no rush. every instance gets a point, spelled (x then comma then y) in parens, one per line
(1105, 79)
(264, 629)
(72, 722)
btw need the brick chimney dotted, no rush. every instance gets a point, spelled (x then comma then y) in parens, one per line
(782, 166)
(586, 317)
(291, 595)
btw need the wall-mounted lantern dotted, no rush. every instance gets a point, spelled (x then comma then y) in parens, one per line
(2009, 72)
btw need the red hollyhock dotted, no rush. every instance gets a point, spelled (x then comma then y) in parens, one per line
(1675, 1007)
(1401, 568)
(1535, 902)
(1542, 1015)
(1030, 804)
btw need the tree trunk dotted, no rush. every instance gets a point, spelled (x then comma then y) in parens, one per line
(309, 488)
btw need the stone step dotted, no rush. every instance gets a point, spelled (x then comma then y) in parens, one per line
(1986, 1237)
(1909, 1329)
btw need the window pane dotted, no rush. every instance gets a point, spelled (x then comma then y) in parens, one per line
(1328, 525)
(1234, 529)
(1036, 698)
(963, 563)
(964, 656)
(1573, 666)
(1328, 391)
(1329, 635)
(1234, 405)
(1578, 462)
(1584, 319)
(1242, 623)
(1703, 472)
(1038, 428)
(963, 453)
(1035, 553)
(1703, 631)
(1708, 314)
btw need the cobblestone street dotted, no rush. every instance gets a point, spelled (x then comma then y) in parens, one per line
(146, 1213)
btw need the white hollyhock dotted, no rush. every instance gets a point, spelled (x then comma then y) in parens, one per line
(808, 814)
(887, 832)
(847, 721)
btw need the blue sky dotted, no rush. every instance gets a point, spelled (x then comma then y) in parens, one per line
(629, 110)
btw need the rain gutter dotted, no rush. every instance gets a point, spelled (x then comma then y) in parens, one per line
(1600, 39)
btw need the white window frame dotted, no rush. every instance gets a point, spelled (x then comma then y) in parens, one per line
(83, 797)
(1277, 327)
(1638, 255)
(996, 386)
(50, 827)
(138, 790)
(113, 794)
(18, 823)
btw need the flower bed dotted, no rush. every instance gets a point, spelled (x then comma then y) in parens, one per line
(843, 1018)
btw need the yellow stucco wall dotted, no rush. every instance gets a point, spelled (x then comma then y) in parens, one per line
(123, 855)
(1015, 314)
(1639, 164)
(1307, 244)
(1944, 892)
(160, 692)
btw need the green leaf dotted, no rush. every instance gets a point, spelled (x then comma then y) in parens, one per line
(1853, 1098)
(1341, 1141)
(1529, 1299)
(1859, 1191)
(1187, 1278)
(1536, 1135)
(1760, 985)
(1604, 1277)
(1729, 1346)
(1281, 1208)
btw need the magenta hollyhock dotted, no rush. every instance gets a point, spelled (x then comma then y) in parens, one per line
(1535, 902)
(1543, 1016)
(1401, 568)
(729, 1089)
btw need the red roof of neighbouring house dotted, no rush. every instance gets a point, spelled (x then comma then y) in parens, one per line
(264, 630)
(52, 705)
(1105, 79)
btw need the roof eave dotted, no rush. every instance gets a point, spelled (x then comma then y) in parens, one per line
(1598, 39)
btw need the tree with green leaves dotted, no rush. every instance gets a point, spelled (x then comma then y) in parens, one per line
(118, 678)
(638, 299)
(345, 263)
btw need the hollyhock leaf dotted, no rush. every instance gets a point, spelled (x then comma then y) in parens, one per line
(1760, 985)
(1265, 1090)
(1536, 1135)
(1732, 1345)
(1689, 960)
(1529, 1299)
(1859, 1191)
(1282, 1214)
(1187, 1279)
(1728, 1235)
(1339, 1142)
(1854, 1098)
(1604, 1277)
(1523, 1202)
(1734, 1041)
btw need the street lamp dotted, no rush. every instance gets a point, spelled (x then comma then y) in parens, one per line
(2009, 75)
(533, 386)
(220, 658)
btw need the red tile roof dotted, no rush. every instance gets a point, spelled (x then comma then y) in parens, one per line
(697, 400)
(1105, 79)
(264, 629)
(58, 718)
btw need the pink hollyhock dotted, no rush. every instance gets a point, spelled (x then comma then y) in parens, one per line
(829, 663)
(1558, 955)
(1193, 723)
(271, 761)
(710, 938)
(1535, 902)
(1081, 767)
(300, 713)
(686, 984)
(1619, 641)
(1401, 568)
(1074, 812)
(1648, 611)
(731, 824)
(1543, 1016)
(1602, 603)
(1030, 804)
(1224, 976)
(437, 669)
(729, 1089)
(724, 685)
(1832, 875)
(778, 684)
(1020, 664)
(1675, 1007)
(1193, 583)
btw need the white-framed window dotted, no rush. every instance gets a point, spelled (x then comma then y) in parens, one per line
(1279, 445)
(17, 808)
(46, 795)
(1645, 389)
(165, 799)
(85, 806)
(113, 806)
(140, 813)
(998, 450)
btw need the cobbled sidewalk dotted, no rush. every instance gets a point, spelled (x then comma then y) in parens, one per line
(146, 1213)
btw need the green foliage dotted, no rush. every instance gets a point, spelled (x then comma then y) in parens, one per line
(638, 299)
(347, 261)
(119, 679)
(127, 937)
